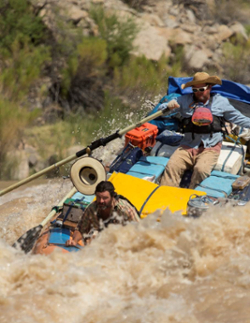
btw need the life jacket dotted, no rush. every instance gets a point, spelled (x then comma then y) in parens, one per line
(202, 121)
(202, 116)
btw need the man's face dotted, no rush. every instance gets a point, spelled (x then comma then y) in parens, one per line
(104, 200)
(202, 92)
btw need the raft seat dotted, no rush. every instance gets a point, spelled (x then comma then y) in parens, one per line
(149, 166)
(218, 184)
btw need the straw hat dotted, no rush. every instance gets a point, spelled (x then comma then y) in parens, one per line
(202, 77)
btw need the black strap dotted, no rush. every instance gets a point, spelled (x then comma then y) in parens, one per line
(158, 149)
(73, 203)
(67, 213)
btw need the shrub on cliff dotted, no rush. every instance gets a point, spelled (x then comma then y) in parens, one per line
(119, 33)
(13, 120)
(22, 53)
(236, 64)
(138, 4)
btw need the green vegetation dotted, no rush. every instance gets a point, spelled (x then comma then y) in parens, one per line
(226, 11)
(21, 70)
(18, 22)
(79, 130)
(95, 85)
(118, 33)
(21, 31)
(88, 59)
(247, 28)
(141, 77)
(26, 49)
(13, 121)
(236, 64)
(22, 56)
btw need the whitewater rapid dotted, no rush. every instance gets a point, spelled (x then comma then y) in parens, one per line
(177, 269)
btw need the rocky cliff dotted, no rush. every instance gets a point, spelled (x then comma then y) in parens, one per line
(201, 27)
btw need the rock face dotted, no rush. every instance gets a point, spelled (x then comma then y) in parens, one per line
(187, 23)
(151, 43)
(23, 161)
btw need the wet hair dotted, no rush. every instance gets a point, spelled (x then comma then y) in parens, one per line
(104, 186)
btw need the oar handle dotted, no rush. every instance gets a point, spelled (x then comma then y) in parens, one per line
(95, 144)
(98, 143)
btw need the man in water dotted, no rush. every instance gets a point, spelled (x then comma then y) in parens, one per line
(108, 208)
(201, 145)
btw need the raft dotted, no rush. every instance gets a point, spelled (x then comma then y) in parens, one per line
(139, 182)
(148, 197)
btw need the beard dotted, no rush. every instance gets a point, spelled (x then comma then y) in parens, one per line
(202, 98)
(103, 207)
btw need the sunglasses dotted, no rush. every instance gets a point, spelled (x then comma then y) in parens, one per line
(200, 89)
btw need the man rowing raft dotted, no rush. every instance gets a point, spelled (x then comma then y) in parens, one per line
(108, 208)
(203, 115)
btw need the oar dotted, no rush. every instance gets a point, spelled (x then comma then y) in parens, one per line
(27, 240)
(92, 146)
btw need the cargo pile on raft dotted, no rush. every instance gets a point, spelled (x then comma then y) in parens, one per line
(137, 170)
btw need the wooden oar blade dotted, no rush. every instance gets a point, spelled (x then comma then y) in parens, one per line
(27, 240)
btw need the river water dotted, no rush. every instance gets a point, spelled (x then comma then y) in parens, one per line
(175, 270)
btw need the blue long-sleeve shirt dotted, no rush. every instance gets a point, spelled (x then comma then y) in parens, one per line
(221, 107)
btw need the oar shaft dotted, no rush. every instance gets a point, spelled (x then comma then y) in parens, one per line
(36, 175)
(141, 122)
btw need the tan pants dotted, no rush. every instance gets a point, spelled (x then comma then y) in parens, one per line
(181, 160)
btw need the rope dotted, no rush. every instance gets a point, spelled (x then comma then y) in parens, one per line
(148, 199)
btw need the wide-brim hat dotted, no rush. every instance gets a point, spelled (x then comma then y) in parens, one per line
(202, 77)
(86, 173)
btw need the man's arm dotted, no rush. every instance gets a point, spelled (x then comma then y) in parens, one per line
(77, 236)
(173, 104)
(133, 215)
(233, 115)
(83, 226)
